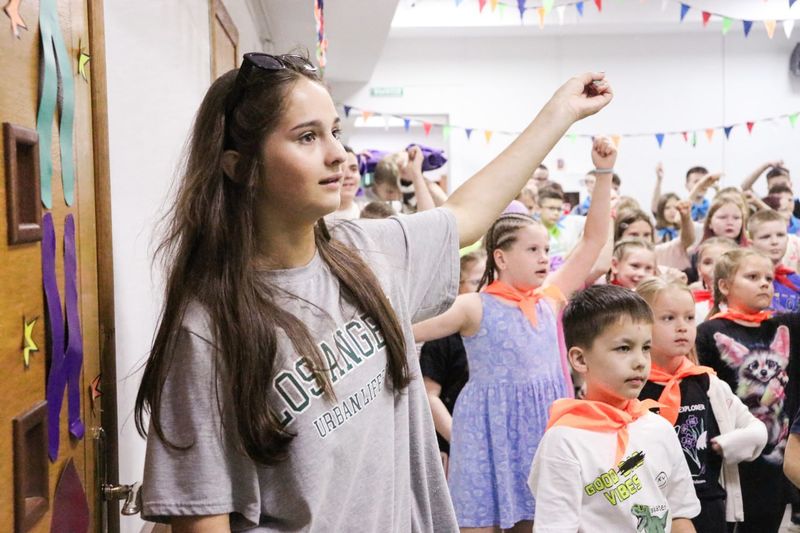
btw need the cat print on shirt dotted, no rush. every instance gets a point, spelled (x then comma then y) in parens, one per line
(762, 378)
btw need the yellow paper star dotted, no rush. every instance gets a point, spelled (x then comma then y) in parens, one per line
(83, 59)
(28, 345)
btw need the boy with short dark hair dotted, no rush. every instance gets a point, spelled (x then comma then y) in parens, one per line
(607, 463)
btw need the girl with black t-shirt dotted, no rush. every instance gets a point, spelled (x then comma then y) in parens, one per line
(715, 429)
(756, 355)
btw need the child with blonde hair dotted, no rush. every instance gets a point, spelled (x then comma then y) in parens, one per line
(756, 355)
(714, 427)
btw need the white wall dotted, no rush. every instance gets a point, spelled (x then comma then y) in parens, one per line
(158, 59)
(663, 82)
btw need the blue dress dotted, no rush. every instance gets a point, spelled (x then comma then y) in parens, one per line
(515, 375)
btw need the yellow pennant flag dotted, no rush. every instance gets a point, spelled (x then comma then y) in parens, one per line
(488, 135)
(493, 4)
(540, 11)
(616, 139)
(710, 134)
(770, 27)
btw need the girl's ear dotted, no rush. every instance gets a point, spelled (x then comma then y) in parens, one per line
(724, 286)
(577, 358)
(614, 266)
(230, 158)
(499, 259)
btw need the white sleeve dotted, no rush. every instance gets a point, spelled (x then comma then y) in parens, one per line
(746, 442)
(680, 493)
(555, 482)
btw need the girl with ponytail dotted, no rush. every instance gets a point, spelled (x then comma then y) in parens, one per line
(282, 389)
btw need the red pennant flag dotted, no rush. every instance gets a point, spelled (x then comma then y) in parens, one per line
(427, 127)
(599, 4)
(750, 126)
(685, 136)
(706, 18)
(481, 5)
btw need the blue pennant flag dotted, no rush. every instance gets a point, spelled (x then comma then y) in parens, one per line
(791, 2)
(347, 109)
(458, 3)
(660, 139)
(727, 130)
(406, 123)
(521, 7)
(579, 7)
(684, 10)
(747, 25)
(468, 132)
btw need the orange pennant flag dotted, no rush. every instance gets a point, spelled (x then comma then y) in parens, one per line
(540, 11)
(710, 134)
(770, 27)
(427, 127)
(488, 135)
(365, 115)
(616, 139)
(493, 4)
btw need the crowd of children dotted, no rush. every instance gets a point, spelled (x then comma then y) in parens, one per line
(604, 367)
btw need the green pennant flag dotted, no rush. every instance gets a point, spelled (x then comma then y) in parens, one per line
(501, 8)
(572, 137)
(446, 132)
(548, 6)
(726, 25)
(694, 138)
(793, 119)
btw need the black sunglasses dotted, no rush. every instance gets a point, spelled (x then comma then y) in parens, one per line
(267, 62)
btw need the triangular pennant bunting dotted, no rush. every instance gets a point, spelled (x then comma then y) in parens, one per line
(709, 134)
(458, 3)
(793, 119)
(750, 126)
(347, 109)
(540, 12)
(406, 123)
(365, 115)
(445, 132)
(481, 5)
(694, 138)
(727, 130)
(599, 4)
(769, 25)
(572, 137)
(726, 25)
(579, 7)
(660, 139)
(747, 24)
(788, 26)
(684, 10)
(548, 6)
(493, 4)
(521, 8)
(488, 135)
(616, 140)
(468, 131)
(706, 18)
(685, 136)
(426, 126)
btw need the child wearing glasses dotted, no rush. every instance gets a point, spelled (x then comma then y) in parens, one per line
(282, 387)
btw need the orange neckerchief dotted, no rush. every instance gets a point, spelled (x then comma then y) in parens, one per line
(599, 416)
(733, 314)
(782, 274)
(671, 395)
(525, 300)
(702, 295)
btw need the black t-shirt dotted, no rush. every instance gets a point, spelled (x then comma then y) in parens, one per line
(695, 427)
(796, 207)
(445, 362)
(761, 365)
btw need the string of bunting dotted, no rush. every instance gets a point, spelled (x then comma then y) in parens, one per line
(688, 135)
(322, 41)
(547, 6)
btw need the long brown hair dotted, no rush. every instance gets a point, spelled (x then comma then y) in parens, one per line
(650, 288)
(209, 252)
(627, 218)
(720, 201)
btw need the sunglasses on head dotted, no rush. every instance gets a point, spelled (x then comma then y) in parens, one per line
(266, 62)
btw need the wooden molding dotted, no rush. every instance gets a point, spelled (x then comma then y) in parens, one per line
(31, 467)
(23, 186)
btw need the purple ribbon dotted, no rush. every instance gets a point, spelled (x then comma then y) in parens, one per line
(74, 353)
(65, 365)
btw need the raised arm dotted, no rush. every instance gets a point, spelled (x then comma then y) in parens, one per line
(413, 172)
(573, 273)
(699, 190)
(657, 188)
(748, 182)
(463, 317)
(479, 201)
(688, 235)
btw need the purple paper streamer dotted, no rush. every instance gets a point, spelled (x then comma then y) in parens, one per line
(57, 378)
(73, 356)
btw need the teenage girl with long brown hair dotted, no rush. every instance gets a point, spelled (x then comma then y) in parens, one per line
(282, 387)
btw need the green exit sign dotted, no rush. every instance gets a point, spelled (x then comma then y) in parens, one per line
(386, 91)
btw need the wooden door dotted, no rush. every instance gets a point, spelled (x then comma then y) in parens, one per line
(224, 40)
(21, 271)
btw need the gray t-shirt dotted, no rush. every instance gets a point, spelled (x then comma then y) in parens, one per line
(367, 461)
